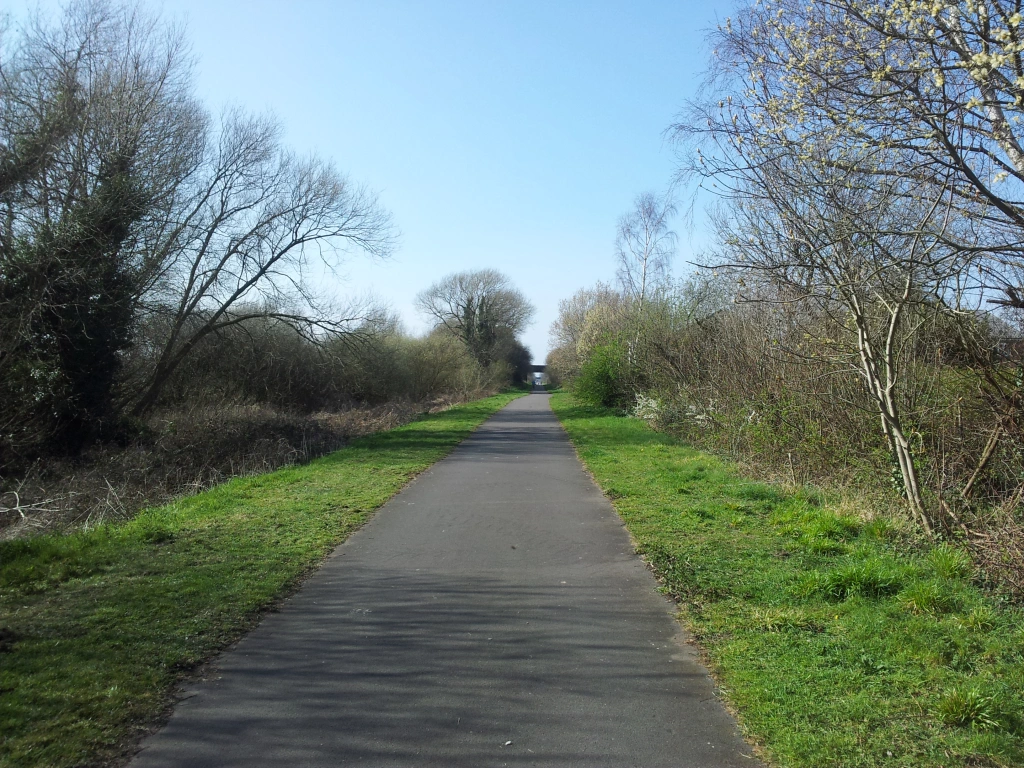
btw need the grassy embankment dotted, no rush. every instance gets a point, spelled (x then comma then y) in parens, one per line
(96, 627)
(839, 641)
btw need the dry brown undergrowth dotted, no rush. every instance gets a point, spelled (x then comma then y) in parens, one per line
(184, 452)
(998, 547)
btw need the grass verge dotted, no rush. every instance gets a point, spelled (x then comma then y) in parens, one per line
(839, 641)
(97, 627)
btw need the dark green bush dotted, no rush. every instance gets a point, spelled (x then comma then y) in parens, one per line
(602, 378)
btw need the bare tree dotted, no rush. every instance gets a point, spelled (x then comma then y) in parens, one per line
(873, 264)
(567, 330)
(644, 247)
(239, 240)
(97, 128)
(853, 229)
(941, 85)
(482, 308)
(131, 227)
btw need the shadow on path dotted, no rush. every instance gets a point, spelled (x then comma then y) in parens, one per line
(495, 600)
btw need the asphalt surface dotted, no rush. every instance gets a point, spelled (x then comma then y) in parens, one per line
(491, 614)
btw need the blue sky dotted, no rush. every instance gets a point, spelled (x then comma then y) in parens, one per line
(500, 134)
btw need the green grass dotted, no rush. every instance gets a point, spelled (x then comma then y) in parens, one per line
(839, 642)
(96, 627)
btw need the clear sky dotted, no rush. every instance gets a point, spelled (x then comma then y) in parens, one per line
(509, 134)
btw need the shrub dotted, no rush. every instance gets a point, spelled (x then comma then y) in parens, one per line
(601, 378)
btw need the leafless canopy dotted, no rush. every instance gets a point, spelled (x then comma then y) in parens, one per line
(480, 307)
(241, 237)
(644, 245)
(838, 189)
(132, 225)
(940, 87)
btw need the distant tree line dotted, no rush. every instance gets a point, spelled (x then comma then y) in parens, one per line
(859, 315)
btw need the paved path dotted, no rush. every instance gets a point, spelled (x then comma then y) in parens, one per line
(491, 614)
